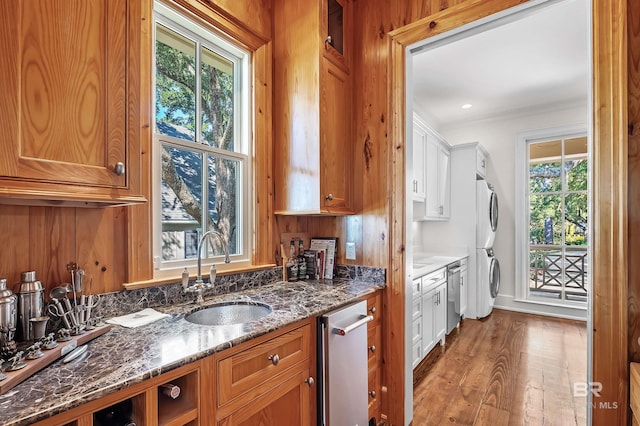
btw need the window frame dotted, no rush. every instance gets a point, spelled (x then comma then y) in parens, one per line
(522, 213)
(205, 38)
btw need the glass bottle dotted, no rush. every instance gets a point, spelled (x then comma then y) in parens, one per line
(302, 263)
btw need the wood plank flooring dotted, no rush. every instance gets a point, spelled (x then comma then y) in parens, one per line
(508, 369)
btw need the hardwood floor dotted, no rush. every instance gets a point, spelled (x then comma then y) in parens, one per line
(508, 369)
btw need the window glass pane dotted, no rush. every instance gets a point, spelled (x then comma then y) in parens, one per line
(175, 84)
(576, 219)
(577, 176)
(223, 206)
(181, 202)
(545, 169)
(217, 100)
(545, 219)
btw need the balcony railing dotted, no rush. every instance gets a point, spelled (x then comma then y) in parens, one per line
(558, 272)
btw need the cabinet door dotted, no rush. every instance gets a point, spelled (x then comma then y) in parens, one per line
(432, 199)
(463, 291)
(335, 143)
(429, 301)
(288, 404)
(64, 90)
(444, 181)
(419, 145)
(440, 314)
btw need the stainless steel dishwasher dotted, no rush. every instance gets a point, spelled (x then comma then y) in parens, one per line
(343, 385)
(453, 296)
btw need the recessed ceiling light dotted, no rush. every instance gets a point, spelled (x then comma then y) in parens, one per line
(466, 106)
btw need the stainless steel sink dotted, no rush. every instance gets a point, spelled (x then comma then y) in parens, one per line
(229, 313)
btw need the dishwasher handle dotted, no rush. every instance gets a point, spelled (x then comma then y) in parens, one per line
(346, 330)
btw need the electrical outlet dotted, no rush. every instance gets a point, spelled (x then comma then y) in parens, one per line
(351, 251)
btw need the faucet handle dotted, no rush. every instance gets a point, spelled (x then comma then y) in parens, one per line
(212, 273)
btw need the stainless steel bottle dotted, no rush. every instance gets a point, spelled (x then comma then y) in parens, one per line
(30, 305)
(8, 319)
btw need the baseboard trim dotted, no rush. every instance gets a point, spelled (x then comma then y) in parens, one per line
(509, 303)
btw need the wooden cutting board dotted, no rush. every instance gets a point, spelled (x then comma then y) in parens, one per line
(35, 365)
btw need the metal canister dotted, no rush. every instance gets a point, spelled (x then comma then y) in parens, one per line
(30, 305)
(8, 318)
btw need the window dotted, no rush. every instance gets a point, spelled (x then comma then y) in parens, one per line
(201, 144)
(555, 218)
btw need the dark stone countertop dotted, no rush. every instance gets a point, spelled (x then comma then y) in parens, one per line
(126, 356)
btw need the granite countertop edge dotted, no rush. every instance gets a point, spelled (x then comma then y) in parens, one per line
(124, 357)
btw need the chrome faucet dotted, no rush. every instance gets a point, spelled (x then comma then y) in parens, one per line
(200, 286)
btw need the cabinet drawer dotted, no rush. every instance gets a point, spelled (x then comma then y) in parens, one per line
(417, 286)
(431, 280)
(374, 345)
(375, 387)
(416, 353)
(416, 330)
(242, 371)
(416, 311)
(374, 307)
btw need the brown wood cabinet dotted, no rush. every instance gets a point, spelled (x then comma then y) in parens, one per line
(272, 380)
(374, 343)
(70, 75)
(312, 108)
(148, 403)
(269, 380)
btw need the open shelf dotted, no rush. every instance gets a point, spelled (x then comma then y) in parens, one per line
(183, 409)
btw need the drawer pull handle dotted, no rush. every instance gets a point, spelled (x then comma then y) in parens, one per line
(310, 381)
(275, 359)
(373, 310)
(372, 348)
(372, 394)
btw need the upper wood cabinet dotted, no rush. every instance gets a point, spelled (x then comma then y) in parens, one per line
(70, 75)
(312, 108)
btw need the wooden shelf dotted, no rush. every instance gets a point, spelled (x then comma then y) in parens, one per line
(176, 412)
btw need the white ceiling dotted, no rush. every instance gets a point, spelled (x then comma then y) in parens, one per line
(538, 62)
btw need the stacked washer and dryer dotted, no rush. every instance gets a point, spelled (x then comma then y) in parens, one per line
(488, 267)
(471, 227)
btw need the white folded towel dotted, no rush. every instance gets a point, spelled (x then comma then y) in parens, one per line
(137, 319)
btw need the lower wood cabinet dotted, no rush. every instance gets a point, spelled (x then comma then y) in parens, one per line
(145, 403)
(268, 381)
(374, 343)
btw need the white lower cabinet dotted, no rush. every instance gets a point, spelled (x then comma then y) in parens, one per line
(429, 313)
(464, 287)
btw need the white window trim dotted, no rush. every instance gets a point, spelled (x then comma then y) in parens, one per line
(522, 209)
(174, 20)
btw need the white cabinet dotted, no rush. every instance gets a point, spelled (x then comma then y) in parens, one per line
(429, 313)
(434, 317)
(419, 146)
(432, 163)
(464, 287)
(481, 162)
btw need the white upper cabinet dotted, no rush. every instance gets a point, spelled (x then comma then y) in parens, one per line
(432, 163)
(419, 146)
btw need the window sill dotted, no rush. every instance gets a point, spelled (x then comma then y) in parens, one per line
(171, 278)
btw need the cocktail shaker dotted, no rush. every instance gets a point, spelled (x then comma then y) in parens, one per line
(30, 305)
(8, 319)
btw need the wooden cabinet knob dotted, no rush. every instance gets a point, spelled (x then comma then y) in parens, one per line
(373, 310)
(275, 359)
(119, 168)
(372, 394)
(329, 197)
(372, 348)
(310, 381)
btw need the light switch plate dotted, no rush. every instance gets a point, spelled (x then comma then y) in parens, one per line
(351, 251)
